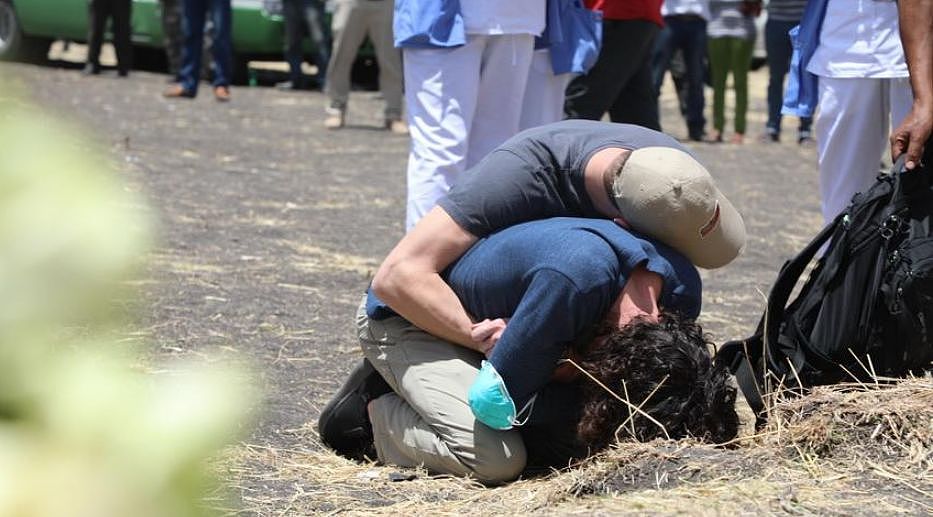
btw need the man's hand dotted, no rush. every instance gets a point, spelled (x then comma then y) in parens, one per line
(912, 134)
(916, 25)
(486, 334)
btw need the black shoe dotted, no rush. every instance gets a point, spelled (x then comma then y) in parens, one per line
(344, 423)
(91, 69)
(805, 139)
(696, 134)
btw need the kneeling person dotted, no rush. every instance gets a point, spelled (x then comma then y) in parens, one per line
(559, 281)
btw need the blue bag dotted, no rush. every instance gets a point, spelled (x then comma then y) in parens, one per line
(574, 34)
(428, 24)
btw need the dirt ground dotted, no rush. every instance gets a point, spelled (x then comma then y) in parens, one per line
(270, 227)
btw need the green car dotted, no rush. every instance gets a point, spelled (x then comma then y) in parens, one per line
(27, 28)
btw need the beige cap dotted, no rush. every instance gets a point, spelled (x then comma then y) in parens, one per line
(666, 194)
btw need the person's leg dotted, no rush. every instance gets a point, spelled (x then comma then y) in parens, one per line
(692, 41)
(379, 22)
(637, 102)
(543, 101)
(678, 71)
(97, 17)
(741, 60)
(778, 47)
(851, 137)
(317, 29)
(440, 94)
(661, 54)
(293, 19)
(172, 34)
(122, 16)
(503, 75)
(221, 13)
(719, 69)
(427, 419)
(590, 95)
(193, 24)
(349, 32)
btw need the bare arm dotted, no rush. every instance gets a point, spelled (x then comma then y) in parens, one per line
(409, 279)
(916, 23)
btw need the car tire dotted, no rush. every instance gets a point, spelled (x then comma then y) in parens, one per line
(14, 45)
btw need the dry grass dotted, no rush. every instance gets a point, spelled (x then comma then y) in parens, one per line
(847, 449)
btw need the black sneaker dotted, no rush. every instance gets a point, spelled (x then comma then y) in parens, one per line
(344, 423)
(805, 138)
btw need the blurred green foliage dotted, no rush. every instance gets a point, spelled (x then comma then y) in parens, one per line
(81, 432)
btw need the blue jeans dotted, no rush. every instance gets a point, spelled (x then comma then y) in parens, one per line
(301, 15)
(778, 47)
(195, 14)
(687, 33)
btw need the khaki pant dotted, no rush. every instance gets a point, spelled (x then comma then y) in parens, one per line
(427, 421)
(353, 20)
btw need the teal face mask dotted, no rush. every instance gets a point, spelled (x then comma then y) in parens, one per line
(490, 400)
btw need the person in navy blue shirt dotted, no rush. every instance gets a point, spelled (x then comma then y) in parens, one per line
(558, 282)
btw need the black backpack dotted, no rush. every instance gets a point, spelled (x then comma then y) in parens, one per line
(866, 310)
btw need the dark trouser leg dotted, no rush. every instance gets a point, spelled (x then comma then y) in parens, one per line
(637, 102)
(221, 13)
(320, 36)
(693, 44)
(661, 58)
(778, 47)
(626, 48)
(293, 12)
(194, 11)
(98, 11)
(121, 34)
(172, 34)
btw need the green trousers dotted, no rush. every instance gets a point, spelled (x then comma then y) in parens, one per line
(730, 54)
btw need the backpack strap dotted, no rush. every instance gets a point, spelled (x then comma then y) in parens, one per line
(784, 285)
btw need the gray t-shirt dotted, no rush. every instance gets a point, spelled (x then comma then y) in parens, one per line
(538, 174)
(728, 20)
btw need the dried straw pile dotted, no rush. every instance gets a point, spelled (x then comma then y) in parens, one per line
(848, 449)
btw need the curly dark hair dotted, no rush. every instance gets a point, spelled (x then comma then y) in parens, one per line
(671, 358)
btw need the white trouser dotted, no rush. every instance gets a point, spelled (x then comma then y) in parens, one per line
(462, 103)
(544, 94)
(852, 129)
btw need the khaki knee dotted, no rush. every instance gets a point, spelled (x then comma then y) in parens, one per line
(501, 460)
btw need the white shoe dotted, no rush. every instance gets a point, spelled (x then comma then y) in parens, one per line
(334, 120)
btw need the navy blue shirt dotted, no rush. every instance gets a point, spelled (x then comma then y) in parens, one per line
(554, 279)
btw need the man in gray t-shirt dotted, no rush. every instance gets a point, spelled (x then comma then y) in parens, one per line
(638, 177)
(539, 173)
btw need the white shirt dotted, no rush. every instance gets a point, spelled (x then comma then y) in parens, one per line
(503, 16)
(675, 7)
(859, 39)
